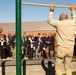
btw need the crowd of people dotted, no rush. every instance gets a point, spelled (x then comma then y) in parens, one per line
(7, 46)
(33, 46)
(38, 46)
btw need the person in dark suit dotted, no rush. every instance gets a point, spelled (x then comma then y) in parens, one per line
(51, 47)
(3, 47)
(7, 38)
(44, 44)
(13, 46)
(24, 43)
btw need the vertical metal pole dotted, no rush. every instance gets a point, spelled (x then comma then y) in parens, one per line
(24, 67)
(3, 67)
(18, 37)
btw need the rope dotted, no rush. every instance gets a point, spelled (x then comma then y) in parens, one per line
(46, 5)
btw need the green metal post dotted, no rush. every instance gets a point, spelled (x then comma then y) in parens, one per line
(18, 37)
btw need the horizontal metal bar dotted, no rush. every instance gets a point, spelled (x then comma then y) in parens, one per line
(45, 5)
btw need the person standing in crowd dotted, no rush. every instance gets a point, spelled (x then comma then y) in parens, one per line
(13, 45)
(38, 40)
(7, 38)
(31, 46)
(47, 46)
(65, 29)
(55, 44)
(3, 46)
(24, 44)
(51, 47)
(44, 44)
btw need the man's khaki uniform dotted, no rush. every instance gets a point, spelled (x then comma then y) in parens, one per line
(65, 42)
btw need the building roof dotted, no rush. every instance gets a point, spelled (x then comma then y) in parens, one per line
(27, 26)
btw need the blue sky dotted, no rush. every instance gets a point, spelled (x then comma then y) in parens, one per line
(32, 13)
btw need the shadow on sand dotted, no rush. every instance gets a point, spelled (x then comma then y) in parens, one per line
(49, 70)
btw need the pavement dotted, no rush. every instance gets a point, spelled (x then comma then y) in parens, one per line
(32, 67)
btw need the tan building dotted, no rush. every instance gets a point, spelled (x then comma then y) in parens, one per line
(30, 27)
